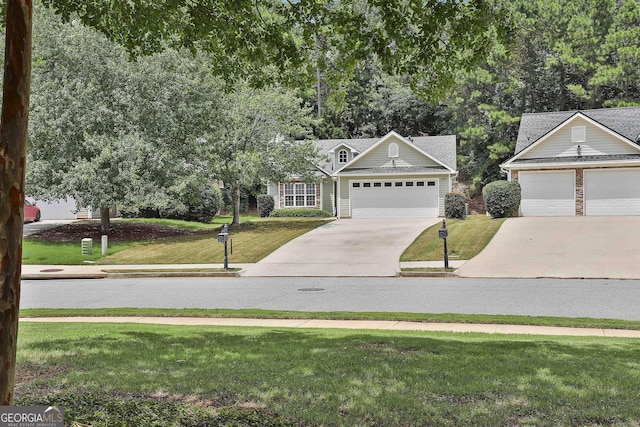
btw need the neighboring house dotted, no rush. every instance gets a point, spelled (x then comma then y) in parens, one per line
(578, 162)
(66, 209)
(392, 176)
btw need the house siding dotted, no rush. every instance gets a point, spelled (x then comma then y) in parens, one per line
(598, 142)
(327, 196)
(379, 156)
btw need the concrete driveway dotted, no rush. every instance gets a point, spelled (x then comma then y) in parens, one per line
(345, 247)
(561, 247)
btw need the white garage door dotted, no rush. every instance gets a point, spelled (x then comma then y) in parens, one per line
(379, 199)
(612, 192)
(549, 193)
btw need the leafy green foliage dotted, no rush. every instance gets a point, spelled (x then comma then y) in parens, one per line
(428, 40)
(299, 213)
(261, 135)
(454, 205)
(266, 203)
(108, 131)
(502, 198)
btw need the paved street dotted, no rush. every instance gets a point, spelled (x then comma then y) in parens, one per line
(615, 299)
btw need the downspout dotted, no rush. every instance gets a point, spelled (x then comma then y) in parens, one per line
(338, 198)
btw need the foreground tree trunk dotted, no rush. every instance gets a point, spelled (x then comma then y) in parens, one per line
(236, 205)
(13, 143)
(105, 222)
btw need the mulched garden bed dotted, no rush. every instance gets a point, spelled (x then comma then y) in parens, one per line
(120, 232)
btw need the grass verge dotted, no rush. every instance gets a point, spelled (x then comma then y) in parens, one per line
(467, 237)
(332, 377)
(576, 322)
(37, 252)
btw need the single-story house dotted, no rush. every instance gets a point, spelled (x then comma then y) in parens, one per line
(392, 176)
(584, 162)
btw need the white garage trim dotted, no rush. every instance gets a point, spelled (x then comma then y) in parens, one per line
(389, 198)
(548, 193)
(612, 192)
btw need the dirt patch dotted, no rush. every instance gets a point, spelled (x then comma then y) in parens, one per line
(120, 232)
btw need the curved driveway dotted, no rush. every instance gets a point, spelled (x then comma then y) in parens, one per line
(561, 247)
(345, 247)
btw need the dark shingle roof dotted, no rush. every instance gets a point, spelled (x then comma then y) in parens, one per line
(624, 121)
(442, 148)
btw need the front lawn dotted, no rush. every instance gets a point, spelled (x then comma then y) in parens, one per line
(250, 242)
(134, 375)
(196, 244)
(467, 238)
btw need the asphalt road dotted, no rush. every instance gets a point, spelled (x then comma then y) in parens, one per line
(613, 299)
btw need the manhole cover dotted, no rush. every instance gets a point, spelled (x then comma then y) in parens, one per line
(310, 289)
(50, 270)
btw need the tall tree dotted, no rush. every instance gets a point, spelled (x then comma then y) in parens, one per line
(13, 142)
(259, 139)
(109, 131)
(616, 81)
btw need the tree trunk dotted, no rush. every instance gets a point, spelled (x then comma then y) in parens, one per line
(236, 205)
(105, 221)
(13, 148)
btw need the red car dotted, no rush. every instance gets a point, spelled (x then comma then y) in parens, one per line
(31, 212)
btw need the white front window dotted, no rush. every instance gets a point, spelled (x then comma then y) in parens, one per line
(299, 194)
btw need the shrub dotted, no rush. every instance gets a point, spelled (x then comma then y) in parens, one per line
(199, 205)
(265, 205)
(454, 205)
(502, 198)
(300, 213)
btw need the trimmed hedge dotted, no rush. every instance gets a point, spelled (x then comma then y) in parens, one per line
(300, 213)
(266, 203)
(502, 198)
(454, 205)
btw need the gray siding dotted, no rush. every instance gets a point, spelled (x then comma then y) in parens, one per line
(379, 156)
(327, 195)
(598, 142)
(272, 189)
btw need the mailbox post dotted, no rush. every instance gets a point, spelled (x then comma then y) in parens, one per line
(223, 237)
(443, 233)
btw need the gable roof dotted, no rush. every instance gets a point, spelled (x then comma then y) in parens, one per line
(624, 121)
(442, 148)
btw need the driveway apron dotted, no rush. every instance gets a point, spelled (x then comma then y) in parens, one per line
(345, 247)
(561, 247)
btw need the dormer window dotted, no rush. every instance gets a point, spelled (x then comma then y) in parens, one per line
(578, 134)
(342, 156)
(393, 150)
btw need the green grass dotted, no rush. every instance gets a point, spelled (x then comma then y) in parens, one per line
(227, 219)
(467, 238)
(338, 377)
(577, 322)
(251, 242)
(37, 252)
(184, 225)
